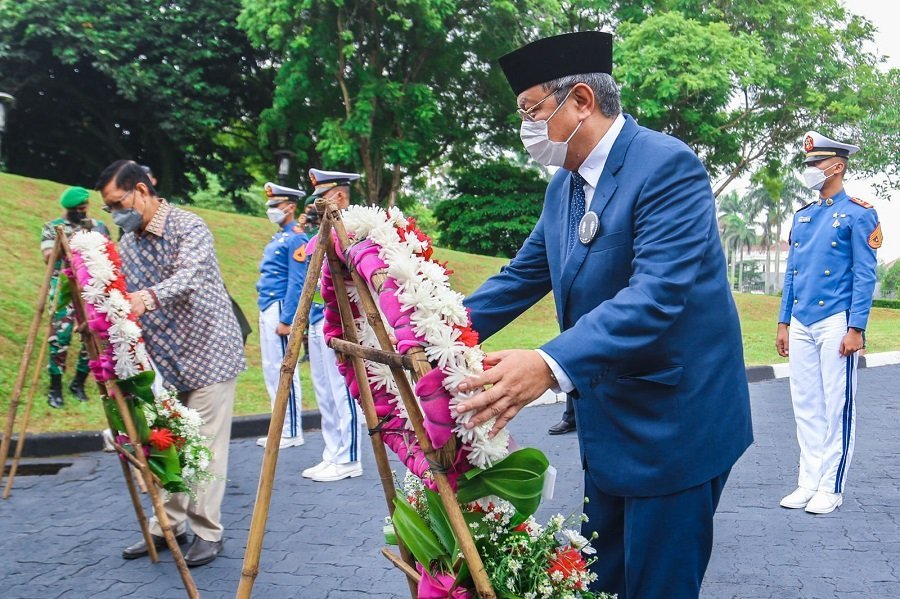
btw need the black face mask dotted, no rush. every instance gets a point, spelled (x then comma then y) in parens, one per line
(75, 216)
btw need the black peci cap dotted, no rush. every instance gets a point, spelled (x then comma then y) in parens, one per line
(558, 56)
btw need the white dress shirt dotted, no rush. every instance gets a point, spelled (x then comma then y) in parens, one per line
(590, 169)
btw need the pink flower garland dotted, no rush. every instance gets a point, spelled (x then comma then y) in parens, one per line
(388, 242)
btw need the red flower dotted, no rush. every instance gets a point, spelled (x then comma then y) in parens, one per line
(523, 527)
(161, 438)
(468, 336)
(567, 561)
(113, 255)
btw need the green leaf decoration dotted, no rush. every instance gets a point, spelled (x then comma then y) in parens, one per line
(165, 465)
(440, 522)
(416, 535)
(113, 415)
(140, 386)
(518, 478)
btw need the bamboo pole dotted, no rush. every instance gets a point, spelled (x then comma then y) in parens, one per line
(29, 404)
(112, 389)
(250, 567)
(448, 496)
(368, 406)
(411, 574)
(349, 348)
(26, 356)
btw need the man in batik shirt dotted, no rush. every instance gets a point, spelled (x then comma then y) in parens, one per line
(191, 334)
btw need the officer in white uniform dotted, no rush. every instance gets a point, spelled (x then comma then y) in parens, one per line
(341, 420)
(282, 273)
(828, 289)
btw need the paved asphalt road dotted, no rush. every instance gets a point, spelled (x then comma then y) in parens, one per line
(61, 535)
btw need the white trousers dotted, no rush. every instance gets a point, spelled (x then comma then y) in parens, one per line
(204, 513)
(272, 347)
(823, 392)
(341, 423)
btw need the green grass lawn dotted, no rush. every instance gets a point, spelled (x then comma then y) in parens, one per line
(28, 203)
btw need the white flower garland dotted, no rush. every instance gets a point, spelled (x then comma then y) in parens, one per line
(424, 288)
(129, 354)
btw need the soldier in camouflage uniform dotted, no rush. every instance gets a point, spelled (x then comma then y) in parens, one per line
(75, 202)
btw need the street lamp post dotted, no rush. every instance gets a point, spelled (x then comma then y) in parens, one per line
(284, 165)
(5, 99)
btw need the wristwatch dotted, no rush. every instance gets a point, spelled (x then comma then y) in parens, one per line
(858, 330)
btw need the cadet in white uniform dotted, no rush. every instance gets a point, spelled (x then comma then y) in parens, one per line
(341, 421)
(828, 289)
(282, 273)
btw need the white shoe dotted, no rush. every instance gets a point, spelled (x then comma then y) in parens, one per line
(283, 443)
(798, 499)
(824, 502)
(108, 440)
(309, 472)
(333, 472)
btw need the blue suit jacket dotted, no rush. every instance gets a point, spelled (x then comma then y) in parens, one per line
(650, 333)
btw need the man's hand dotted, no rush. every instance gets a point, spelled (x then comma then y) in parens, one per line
(137, 303)
(852, 342)
(282, 329)
(781, 340)
(517, 376)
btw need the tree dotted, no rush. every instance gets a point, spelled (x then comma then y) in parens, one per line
(879, 136)
(386, 88)
(172, 83)
(736, 216)
(497, 207)
(741, 80)
(890, 284)
(775, 196)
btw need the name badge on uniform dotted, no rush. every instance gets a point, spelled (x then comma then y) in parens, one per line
(803, 219)
(588, 227)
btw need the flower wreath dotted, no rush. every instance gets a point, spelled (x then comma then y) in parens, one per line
(422, 311)
(169, 431)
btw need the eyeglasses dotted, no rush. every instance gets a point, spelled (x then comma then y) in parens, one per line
(117, 204)
(526, 114)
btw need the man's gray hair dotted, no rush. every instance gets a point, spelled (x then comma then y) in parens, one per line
(605, 90)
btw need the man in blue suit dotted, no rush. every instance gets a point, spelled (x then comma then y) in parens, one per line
(650, 343)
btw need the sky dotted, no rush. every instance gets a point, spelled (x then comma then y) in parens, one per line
(883, 14)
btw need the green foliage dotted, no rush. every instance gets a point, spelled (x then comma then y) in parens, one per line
(891, 281)
(739, 81)
(417, 535)
(173, 84)
(497, 207)
(386, 87)
(517, 478)
(879, 135)
(893, 304)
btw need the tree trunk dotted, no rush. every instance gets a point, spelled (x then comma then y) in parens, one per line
(741, 272)
(767, 279)
(779, 282)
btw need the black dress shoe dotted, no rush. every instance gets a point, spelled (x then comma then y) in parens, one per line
(201, 552)
(561, 428)
(140, 549)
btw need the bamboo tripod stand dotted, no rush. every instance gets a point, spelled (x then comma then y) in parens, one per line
(108, 390)
(349, 348)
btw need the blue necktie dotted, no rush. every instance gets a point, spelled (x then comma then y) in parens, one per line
(576, 211)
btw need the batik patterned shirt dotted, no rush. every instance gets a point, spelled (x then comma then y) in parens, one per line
(192, 334)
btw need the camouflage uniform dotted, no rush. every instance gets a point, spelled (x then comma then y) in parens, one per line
(63, 316)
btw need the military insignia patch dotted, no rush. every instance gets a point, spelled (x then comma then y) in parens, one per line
(861, 202)
(300, 253)
(876, 238)
(808, 144)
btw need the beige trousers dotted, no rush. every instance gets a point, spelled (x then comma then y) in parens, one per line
(215, 404)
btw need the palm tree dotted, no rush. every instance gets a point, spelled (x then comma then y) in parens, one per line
(793, 193)
(740, 233)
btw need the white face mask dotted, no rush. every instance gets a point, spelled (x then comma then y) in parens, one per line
(536, 139)
(814, 177)
(276, 215)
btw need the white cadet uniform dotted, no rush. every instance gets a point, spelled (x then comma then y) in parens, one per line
(282, 273)
(828, 288)
(341, 420)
